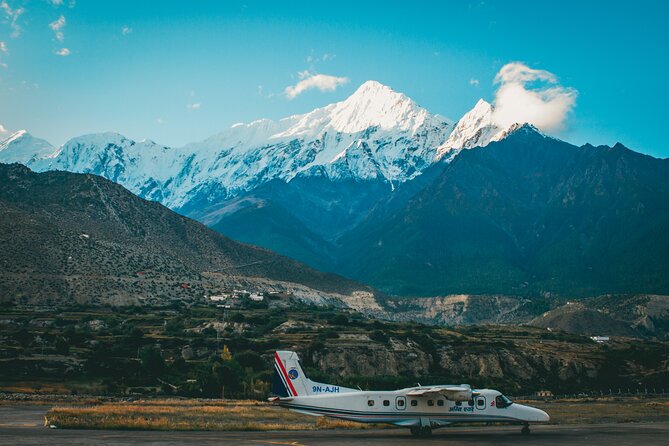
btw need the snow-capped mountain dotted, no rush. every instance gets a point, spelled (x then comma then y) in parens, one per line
(22, 147)
(143, 167)
(475, 129)
(375, 134)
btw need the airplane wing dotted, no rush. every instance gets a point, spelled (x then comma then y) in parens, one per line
(453, 393)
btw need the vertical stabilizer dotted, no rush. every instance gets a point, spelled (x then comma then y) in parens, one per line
(290, 381)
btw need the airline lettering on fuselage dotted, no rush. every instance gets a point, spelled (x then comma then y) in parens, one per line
(325, 389)
(461, 409)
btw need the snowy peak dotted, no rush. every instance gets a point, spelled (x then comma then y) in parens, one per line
(376, 105)
(372, 106)
(21, 147)
(475, 129)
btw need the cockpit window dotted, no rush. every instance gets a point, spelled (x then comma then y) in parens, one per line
(501, 402)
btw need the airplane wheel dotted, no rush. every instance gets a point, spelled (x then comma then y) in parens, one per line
(525, 430)
(415, 431)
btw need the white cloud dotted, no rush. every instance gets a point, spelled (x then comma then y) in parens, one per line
(308, 81)
(63, 52)
(57, 27)
(194, 106)
(3, 47)
(13, 16)
(126, 30)
(533, 96)
(3, 129)
(311, 59)
(56, 2)
(474, 82)
(160, 121)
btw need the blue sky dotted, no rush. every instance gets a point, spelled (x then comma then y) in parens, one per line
(177, 72)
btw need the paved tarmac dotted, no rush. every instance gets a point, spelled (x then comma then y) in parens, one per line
(23, 425)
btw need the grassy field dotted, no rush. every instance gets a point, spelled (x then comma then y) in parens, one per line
(604, 410)
(254, 415)
(189, 415)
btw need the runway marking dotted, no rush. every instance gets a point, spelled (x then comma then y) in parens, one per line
(291, 443)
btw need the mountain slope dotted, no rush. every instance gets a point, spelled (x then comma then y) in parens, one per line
(22, 147)
(524, 215)
(67, 236)
(577, 318)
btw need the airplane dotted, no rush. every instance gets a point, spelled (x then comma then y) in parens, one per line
(421, 408)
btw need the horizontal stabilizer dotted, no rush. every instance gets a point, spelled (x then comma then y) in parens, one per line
(275, 399)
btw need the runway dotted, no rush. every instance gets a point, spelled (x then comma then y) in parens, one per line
(23, 425)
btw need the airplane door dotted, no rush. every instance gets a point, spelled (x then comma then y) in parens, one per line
(480, 402)
(400, 403)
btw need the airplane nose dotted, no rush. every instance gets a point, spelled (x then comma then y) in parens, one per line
(532, 414)
(538, 415)
(543, 416)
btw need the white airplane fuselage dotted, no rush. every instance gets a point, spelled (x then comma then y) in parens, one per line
(398, 408)
(419, 408)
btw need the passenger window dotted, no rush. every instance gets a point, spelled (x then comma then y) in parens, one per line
(440, 402)
(430, 402)
(470, 402)
(400, 403)
(458, 403)
(370, 403)
(480, 403)
(386, 402)
(414, 403)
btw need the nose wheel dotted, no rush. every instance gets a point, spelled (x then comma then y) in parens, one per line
(525, 430)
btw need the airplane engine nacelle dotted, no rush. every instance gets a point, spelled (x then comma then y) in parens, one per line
(458, 394)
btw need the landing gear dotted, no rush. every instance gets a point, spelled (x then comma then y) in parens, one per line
(421, 431)
(525, 430)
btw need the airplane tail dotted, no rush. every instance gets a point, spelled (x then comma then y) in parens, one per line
(290, 381)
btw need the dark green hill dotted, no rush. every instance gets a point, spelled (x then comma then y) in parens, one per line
(526, 215)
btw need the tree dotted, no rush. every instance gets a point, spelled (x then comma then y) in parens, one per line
(62, 347)
(251, 360)
(152, 361)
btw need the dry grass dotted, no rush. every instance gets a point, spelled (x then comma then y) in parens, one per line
(189, 415)
(259, 416)
(604, 410)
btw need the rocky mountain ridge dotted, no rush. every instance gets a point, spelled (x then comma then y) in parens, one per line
(375, 134)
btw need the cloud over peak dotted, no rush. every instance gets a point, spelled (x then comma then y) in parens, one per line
(308, 81)
(534, 96)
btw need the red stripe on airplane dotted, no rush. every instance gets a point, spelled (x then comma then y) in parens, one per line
(283, 370)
